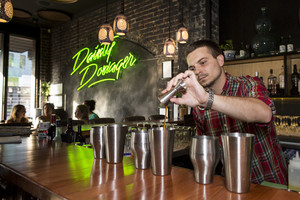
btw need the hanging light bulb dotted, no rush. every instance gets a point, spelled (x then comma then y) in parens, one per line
(106, 34)
(182, 35)
(121, 25)
(169, 47)
(6, 11)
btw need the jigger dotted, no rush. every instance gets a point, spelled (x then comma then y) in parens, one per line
(164, 98)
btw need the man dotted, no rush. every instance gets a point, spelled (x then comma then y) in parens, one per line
(222, 103)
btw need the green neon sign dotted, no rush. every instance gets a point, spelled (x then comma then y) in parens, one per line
(86, 65)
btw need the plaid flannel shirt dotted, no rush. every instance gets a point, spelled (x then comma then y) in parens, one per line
(268, 162)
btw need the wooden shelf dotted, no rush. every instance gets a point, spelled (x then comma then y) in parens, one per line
(263, 58)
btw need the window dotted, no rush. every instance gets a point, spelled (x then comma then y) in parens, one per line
(20, 86)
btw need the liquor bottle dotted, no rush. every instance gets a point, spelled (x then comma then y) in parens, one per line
(282, 47)
(272, 83)
(290, 45)
(69, 134)
(295, 80)
(52, 129)
(281, 82)
(79, 137)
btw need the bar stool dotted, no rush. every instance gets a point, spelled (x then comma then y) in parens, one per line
(104, 120)
(156, 117)
(134, 118)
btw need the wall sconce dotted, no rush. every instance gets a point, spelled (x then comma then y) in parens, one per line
(182, 35)
(106, 34)
(169, 47)
(121, 25)
(6, 11)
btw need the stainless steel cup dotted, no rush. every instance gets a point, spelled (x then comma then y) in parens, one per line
(140, 148)
(114, 137)
(238, 151)
(97, 141)
(204, 154)
(161, 148)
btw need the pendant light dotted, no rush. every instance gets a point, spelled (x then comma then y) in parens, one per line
(6, 11)
(182, 35)
(169, 47)
(106, 34)
(121, 25)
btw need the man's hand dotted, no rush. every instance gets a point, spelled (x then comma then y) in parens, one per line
(195, 94)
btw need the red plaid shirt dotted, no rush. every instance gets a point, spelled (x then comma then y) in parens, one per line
(268, 162)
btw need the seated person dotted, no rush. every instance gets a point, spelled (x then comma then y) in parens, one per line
(82, 113)
(48, 110)
(91, 105)
(17, 115)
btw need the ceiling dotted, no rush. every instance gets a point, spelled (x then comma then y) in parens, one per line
(36, 11)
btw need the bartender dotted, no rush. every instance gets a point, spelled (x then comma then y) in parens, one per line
(223, 104)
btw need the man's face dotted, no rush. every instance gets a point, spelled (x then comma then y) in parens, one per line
(206, 68)
(47, 111)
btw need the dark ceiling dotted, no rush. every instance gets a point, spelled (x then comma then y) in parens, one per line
(53, 9)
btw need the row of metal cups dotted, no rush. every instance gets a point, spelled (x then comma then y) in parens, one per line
(236, 155)
(108, 142)
(156, 144)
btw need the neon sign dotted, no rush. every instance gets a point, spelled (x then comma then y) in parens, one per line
(85, 64)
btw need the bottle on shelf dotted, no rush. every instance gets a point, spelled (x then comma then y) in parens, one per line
(272, 81)
(290, 44)
(295, 79)
(242, 51)
(52, 129)
(282, 47)
(281, 81)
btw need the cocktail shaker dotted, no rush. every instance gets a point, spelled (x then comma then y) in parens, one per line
(164, 98)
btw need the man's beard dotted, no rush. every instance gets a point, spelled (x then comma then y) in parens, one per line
(211, 83)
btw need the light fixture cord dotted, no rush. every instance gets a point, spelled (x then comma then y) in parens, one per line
(106, 11)
(122, 7)
(181, 5)
(169, 18)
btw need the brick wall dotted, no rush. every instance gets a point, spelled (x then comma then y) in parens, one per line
(149, 26)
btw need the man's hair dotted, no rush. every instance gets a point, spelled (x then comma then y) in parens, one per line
(212, 46)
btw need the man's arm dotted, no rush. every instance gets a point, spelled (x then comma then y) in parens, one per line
(248, 109)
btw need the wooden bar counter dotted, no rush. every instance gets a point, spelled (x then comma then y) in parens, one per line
(49, 170)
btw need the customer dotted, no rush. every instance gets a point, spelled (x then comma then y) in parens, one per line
(233, 104)
(48, 110)
(17, 115)
(82, 113)
(91, 105)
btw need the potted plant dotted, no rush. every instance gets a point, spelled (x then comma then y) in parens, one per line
(45, 90)
(228, 51)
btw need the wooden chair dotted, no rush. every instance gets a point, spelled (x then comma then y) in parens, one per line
(134, 118)
(105, 120)
(77, 122)
(156, 117)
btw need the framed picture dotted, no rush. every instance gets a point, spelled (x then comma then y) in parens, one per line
(167, 69)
